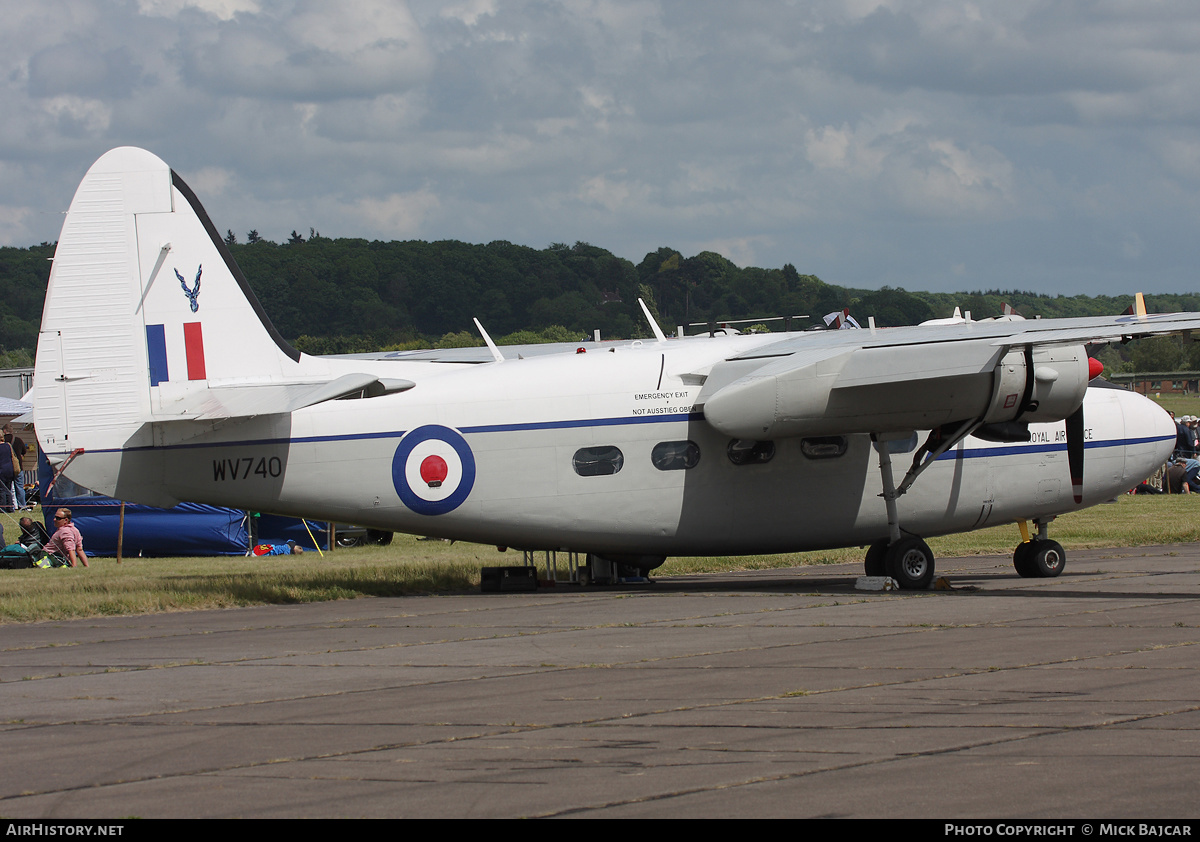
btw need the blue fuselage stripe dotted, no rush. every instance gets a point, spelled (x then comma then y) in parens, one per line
(957, 453)
(1047, 447)
(586, 422)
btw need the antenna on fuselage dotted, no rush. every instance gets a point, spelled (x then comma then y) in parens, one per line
(496, 355)
(658, 334)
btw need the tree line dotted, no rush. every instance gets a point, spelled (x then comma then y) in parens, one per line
(347, 295)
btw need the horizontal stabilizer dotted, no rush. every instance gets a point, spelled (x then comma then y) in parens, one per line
(247, 401)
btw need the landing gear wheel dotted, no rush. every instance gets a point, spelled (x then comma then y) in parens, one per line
(910, 562)
(1023, 561)
(874, 563)
(1039, 559)
(1048, 558)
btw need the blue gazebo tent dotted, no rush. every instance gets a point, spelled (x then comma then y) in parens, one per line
(189, 529)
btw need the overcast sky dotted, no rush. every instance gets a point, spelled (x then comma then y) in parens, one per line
(1052, 146)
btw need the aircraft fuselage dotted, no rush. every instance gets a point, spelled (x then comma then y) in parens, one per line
(607, 451)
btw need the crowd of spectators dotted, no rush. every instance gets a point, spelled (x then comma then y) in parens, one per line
(1183, 474)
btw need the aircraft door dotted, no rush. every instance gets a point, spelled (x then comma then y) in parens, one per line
(986, 492)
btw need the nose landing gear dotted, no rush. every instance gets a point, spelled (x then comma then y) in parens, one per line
(1038, 557)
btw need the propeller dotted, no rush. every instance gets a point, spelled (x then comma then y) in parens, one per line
(1075, 437)
(1075, 451)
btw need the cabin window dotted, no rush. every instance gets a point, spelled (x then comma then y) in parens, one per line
(824, 447)
(675, 455)
(750, 452)
(598, 461)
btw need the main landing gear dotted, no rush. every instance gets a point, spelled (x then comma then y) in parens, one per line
(905, 558)
(1039, 557)
(909, 561)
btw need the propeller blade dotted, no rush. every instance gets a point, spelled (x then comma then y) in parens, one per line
(1075, 451)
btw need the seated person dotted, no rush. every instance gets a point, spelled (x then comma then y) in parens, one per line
(33, 534)
(279, 549)
(1173, 479)
(66, 541)
(1176, 480)
(1191, 474)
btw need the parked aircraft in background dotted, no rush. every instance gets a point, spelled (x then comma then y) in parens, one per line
(160, 379)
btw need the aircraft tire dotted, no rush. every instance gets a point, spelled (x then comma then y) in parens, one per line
(1048, 558)
(910, 562)
(874, 563)
(1023, 560)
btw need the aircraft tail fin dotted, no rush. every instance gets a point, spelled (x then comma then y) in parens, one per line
(145, 309)
(1138, 307)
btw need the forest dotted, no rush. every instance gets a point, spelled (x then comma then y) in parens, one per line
(350, 295)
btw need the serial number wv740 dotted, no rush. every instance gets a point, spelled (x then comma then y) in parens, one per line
(246, 467)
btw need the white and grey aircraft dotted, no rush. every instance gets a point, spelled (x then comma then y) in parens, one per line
(159, 379)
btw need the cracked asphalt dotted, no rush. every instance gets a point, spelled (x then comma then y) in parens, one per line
(773, 693)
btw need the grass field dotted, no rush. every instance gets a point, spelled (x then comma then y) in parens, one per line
(411, 566)
(1179, 404)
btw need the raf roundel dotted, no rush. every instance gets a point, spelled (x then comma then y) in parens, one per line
(433, 470)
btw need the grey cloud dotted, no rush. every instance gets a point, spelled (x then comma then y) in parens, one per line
(1057, 48)
(303, 56)
(1031, 144)
(81, 68)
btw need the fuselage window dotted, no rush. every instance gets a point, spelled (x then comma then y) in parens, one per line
(750, 452)
(675, 455)
(598, 461)
(823, 447)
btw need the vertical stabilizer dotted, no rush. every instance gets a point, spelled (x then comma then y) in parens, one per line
(145, 307)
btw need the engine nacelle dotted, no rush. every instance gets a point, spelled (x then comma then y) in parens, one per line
(835, 391)
(1060, 379)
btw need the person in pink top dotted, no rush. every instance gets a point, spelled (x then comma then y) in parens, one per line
(66, 541)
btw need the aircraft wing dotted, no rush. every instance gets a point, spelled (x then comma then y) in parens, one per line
(889, 380)
(1088, 330)
(480, 354)
(1100, 331)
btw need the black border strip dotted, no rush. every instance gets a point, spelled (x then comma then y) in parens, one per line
(231, 264)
